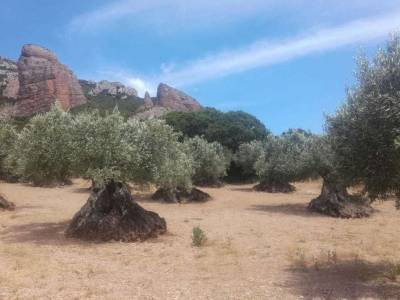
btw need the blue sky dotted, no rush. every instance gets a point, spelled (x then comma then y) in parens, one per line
(285, 61)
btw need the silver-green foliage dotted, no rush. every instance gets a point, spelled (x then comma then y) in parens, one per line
(110, 148)
(102, 148)
(364, 130)
(8, 135)
(209, 160)
(277, 159)
(166, 162)
(42, 151)
(247, 156)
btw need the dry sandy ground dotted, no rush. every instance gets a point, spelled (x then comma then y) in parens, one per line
(260, 246)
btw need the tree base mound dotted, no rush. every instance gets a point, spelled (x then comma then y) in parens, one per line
(340, 204)
(275, 187)
(111, 214)
(6, 205)
(181, 196)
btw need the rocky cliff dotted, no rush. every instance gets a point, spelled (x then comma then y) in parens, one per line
(175, 100)
(35, 82)
(168, 99)
(38, 80)
(43, 80)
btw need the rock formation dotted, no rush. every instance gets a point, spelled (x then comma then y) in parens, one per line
(43, 80)
(9, 83)
(148, 102)
(6, 205)
(111, 214)
(175, 100)
(38, 80)
(110, 88)
(168, 99)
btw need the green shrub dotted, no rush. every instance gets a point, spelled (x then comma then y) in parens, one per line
(8, 135)
(230, 129)
(198, 237)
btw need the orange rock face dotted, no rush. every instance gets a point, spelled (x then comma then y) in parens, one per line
(173, 99)
(43, 80)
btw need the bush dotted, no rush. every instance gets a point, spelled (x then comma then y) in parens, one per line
(209, 161)
(198, 237)
(230, 129)
(42, 152)
(8, 135)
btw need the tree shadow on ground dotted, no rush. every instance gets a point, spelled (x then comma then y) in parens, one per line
(244, 189)
(48, 233)
(294, 209)
(352, 279)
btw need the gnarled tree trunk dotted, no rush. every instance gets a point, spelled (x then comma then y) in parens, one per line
(274, 187)
(181, 196)
(336, 202)
(111, 214)
(6, 205)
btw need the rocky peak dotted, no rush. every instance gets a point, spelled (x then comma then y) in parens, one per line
(148, 102)
(36, 51)
(111, 88)
(168, 99)
(176, 100)
(9, 84)
(43, 80)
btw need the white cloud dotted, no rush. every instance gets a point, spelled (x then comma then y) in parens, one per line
(159, 12)
(140, 85)
(264, 53)
(172, 14)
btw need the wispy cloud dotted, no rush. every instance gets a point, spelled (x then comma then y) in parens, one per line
(262, 53)
(159, 12)
(206, 13)
(265, 53)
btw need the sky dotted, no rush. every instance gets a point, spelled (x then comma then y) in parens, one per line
(287, 62)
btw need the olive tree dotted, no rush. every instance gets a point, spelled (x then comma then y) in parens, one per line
(167, 163)
(42, 151)
(110, 151)
(8, 135)
(7, 138)
(110, 148)
(247, 156)
(102, 148)
(362, 138)
(278, 160)
(282, 162)
(209, 161)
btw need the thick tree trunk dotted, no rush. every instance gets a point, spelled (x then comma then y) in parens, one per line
(181, 196)
(336, 202)
(274, 187)
(111, 214)
(6, 205)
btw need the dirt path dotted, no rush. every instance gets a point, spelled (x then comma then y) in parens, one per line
(260, 246)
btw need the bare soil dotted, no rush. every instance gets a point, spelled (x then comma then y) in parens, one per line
(259, 246)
